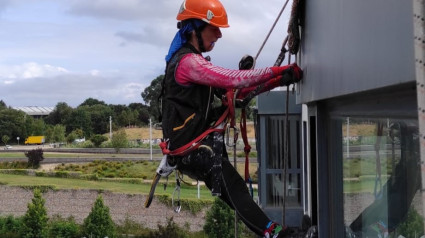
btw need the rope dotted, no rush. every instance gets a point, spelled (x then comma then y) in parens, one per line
(271, 29)
(286, 148)
(293, 29)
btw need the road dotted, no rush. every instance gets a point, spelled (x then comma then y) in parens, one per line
(82, 155)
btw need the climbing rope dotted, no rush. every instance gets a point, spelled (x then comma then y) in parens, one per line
(271, 30)
(294, 37)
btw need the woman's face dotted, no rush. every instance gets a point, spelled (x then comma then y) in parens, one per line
(210, 35)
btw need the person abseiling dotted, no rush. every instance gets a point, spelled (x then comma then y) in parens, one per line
(190, 84)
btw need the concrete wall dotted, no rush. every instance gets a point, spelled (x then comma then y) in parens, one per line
(78, 203)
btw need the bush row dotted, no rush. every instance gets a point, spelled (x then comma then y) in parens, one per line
(36, 224)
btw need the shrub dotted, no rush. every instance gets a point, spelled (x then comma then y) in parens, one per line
(14, 165)
(98, 139)
(119, 140)
(99, 222)
(34, 156)
(219, 222)
(10, 226)
(35, 219)
(170, 230)
(413, 226)
(64, 228)
(15, 171)
(132, 228)
(41, 174)
(87, 144)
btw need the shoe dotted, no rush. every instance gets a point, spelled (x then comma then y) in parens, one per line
(275, 230)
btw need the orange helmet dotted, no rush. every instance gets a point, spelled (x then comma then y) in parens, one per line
(210, 11)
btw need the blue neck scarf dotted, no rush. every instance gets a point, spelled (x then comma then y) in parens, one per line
(180, 39)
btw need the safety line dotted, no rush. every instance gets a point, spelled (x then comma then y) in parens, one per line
(271, 30)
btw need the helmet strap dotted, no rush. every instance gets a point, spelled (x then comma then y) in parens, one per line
(198, 31)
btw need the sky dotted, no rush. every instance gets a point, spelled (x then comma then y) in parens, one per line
(69, 50)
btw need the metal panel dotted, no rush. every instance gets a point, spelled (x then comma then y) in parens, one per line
(274, 102)
(353, 46)
(271, 139)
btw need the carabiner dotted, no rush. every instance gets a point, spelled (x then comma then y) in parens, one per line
(178, 207)
(235, 136)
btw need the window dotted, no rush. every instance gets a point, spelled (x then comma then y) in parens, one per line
(381, 176)
(275, 154)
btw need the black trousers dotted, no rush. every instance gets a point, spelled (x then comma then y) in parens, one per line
(210, 164)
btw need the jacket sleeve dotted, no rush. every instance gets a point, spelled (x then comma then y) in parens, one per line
(267, 86)
(194, 69)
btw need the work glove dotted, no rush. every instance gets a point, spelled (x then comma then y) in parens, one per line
(290, 74)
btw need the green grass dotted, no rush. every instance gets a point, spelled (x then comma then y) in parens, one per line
(113, 170)
(12, 155)
(365, 184)
(116, 187)
(66, 155)
(359, 187)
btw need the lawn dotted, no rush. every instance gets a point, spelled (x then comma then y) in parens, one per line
(130, 177)
(66, 155)
(116, 187)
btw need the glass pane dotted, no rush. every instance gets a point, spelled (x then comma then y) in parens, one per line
(274, 190)
(381, 177)
(275, 126)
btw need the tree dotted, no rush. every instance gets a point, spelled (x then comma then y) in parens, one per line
(99, 117)
(14, 123)
(98, 139)
(142, 110)
(128, 117)
(75, 134)
(150, 96)
(116, 112)
(60, 115)
(2, 104)
(58, 133)
(99, 222)
(79, 133)
(80, 119)
(119, 140)
(71, 137)
(38, 127)
(35, 219)
(92, 102)
(5, 139)
(49, 133)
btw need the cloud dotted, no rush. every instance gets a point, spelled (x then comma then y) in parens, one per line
(129, 37)
(72, 89)
(148, 35)
(50, 57)
(46, 85)
(4, 4)
(30, 70)
(128, 10)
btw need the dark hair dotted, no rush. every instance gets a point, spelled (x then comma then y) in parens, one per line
(198, 26)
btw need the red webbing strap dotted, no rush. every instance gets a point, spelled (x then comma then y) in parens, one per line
(195, 143)
(247, 147)
(230, 94)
